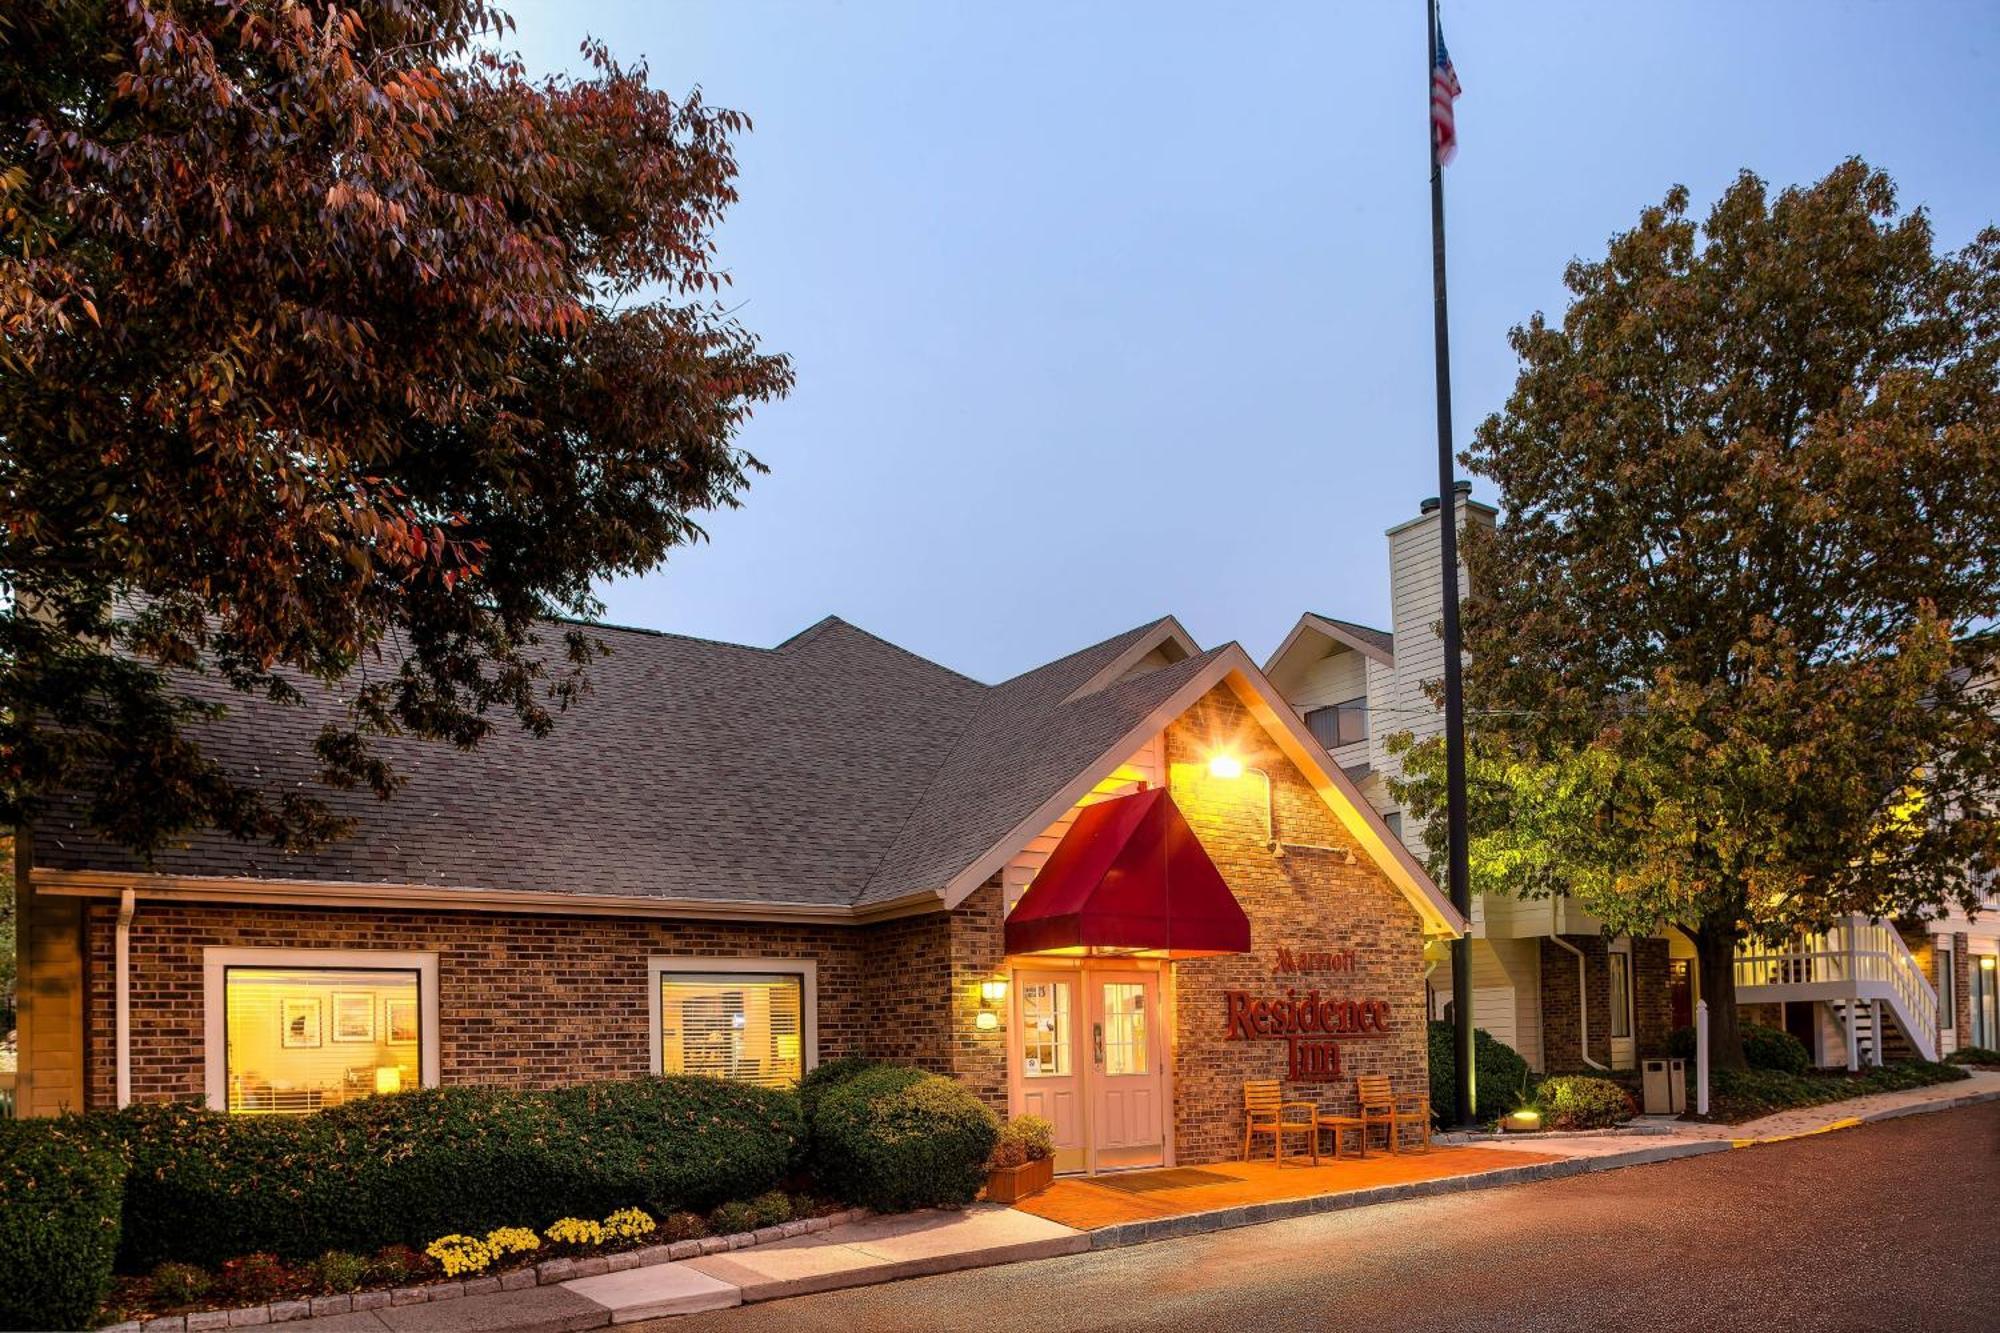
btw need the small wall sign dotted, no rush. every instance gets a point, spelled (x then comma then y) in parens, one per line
(1314, 960)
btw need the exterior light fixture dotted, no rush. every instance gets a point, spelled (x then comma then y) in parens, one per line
(988, 1021)
(1986, 963)
(1522, 1122)
(1225, 766)
(992, 992)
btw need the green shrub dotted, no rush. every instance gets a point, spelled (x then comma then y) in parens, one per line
(1575, 1101)
(773, 1208)
(895, 1138)
(824, 1077)
(1974, 1055)
(414, 1166)
(730, 1218)
(338, 1271)
(61, 1190)
(1763, 1047)
(180, 1284)
(1500, 1075)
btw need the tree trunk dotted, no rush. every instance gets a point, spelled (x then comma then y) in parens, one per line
(1715, 954)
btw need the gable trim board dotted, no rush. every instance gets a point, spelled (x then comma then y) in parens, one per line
(1233, 666)
(1166, 632)
(1339, 634)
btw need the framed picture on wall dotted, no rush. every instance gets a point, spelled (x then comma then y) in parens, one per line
(298, 1017)
(399, 1017)
(353, 1016)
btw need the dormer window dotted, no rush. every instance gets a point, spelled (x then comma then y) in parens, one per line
(1341, 724)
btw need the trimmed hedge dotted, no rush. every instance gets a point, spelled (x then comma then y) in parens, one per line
(1763, 1047)
(413, 1166)
(62, 1189)
(827, 1075)
(1500, 1075)
(896, 1138)
(1576, 1101)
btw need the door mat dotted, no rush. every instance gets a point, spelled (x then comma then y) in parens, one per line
(1174, 1178)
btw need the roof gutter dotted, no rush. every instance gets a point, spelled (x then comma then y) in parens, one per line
(429, 897)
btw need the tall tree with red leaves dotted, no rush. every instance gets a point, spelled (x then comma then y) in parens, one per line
(337, 348)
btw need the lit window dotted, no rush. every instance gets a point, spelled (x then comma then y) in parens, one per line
(1045, 1033)
(1125, 1049)
(305, 1038)
(1621, 994)
(749, 1026)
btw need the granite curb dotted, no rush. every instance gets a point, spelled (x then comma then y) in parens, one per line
(548, 1272)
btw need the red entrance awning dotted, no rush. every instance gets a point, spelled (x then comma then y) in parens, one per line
(1129, 877)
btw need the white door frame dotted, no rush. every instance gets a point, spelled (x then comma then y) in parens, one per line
(1161, 1038)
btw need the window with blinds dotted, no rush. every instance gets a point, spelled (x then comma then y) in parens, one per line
(746, 1026)
(302, 1039)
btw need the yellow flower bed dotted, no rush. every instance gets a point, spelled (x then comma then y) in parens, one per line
(460, 1255)
(504, 1241)
(575, 1231)
(629, 1224)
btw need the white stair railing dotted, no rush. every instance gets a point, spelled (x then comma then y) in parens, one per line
(1860, 957)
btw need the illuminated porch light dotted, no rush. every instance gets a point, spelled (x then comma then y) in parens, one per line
(992, 992)
(987, 1021)
(1225, 766)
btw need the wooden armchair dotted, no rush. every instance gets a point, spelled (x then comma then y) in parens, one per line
(1265, 1112)
(1381, 1106)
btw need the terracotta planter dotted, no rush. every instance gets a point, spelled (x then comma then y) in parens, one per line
(1007, 1184)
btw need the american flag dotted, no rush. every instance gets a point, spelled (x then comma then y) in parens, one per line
(1444, 91)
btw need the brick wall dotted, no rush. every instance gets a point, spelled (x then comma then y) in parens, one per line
(1304, 900)
(1561, 1053)
(1652, 1000)
(524, 1001)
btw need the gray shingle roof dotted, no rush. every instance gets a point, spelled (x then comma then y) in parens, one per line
(1381, 638)
(833, 769)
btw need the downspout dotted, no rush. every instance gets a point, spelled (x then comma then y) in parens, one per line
(1582, 986)
(127, 902)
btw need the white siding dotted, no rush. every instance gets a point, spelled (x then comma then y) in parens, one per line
(1334, 679)
(1506, 993)
(1146, 766)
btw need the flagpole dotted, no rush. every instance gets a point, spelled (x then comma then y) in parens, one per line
(1458, 866)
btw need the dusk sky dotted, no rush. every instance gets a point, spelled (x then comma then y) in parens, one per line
(1102, 311)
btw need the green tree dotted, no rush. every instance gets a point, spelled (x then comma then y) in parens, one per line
(1725, 650)
(336, 347)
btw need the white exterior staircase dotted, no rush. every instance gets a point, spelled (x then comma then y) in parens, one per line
(1861, 971)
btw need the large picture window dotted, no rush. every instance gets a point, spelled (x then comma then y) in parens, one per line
(749, 1020)
(293, 1031)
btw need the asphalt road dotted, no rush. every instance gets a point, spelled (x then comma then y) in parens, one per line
(1889, 1226)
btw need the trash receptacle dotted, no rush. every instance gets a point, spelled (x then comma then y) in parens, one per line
(1663, 1086)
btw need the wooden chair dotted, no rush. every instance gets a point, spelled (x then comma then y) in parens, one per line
(1264, 1108)
(1381, 1106)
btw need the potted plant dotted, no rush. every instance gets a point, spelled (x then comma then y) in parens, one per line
(1023, 1162)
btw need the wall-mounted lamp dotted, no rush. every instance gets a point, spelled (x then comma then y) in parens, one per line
(1225, 766)
(991, 994)
(1986, 963)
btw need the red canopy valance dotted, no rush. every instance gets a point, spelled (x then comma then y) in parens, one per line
(1129, 877)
